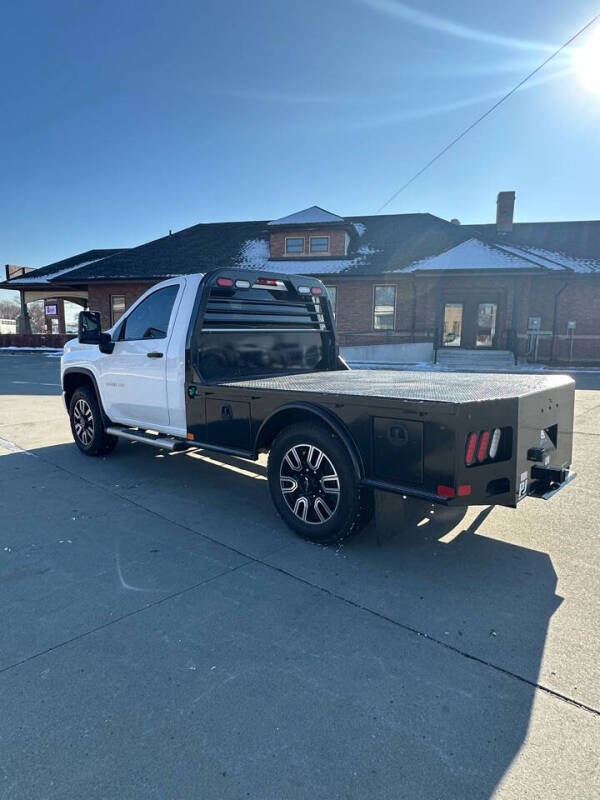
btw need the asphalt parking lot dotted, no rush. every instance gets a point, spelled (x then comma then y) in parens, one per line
(165, 636)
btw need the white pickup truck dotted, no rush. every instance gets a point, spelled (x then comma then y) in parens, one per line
(243, 362)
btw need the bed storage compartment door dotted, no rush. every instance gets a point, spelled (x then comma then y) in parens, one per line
(398, 450)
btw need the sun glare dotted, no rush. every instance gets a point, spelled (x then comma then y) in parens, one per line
(586, 61)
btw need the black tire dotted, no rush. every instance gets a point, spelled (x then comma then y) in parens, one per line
(87, 424)
(303, 484)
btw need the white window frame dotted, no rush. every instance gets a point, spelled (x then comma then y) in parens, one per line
(384, 286)
(295, 252)
(114, 321)
(319, 252)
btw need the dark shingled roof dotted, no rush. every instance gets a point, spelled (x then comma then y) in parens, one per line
(44, 273)
(377, 244)
(579, 240)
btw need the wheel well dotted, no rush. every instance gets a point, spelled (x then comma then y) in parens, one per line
(73, 381)
(290, 416)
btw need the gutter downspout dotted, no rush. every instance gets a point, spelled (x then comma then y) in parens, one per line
(555, 319)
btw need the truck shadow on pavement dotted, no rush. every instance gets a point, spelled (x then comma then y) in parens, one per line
(428, 642)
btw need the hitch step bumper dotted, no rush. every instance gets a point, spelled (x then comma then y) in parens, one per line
(547, 481)
(163, 442)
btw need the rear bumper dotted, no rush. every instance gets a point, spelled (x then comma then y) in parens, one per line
(545, 486)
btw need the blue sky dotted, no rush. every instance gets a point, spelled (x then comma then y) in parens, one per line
(120, 120)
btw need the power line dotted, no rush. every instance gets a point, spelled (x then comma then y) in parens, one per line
(487, 113)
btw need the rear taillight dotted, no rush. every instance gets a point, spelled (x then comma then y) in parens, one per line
(471, 448)
(482, 446)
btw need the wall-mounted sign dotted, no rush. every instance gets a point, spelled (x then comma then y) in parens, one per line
(571, 325)
(534, 323)
(51, 310)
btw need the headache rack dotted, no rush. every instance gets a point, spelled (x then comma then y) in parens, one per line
(240, 309)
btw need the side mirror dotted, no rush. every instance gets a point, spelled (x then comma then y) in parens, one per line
(89, 329)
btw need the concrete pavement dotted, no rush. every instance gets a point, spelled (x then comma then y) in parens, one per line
(165, 636)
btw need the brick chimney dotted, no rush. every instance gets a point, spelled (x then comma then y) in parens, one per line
(505, 207)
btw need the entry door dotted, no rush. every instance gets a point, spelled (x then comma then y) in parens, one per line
(486, 317)
(134, 375)
(470, 322)
(453, 323)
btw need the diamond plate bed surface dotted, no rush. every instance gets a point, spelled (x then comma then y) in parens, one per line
(440, 387)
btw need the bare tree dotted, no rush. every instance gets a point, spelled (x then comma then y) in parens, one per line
(9, 309)
(37, 317)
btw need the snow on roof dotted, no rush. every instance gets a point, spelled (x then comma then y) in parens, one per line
(255, 255)
(475, 254)
(310, 266)
(308, 216)
(555, 260)
(51, 275)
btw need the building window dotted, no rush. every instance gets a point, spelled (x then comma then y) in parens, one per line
(117, 308)
(332, 294)
(384, 307)
(319, 244)
(294, 244)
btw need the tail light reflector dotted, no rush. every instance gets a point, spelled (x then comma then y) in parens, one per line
(495, 443)
(471, 448)
(316, 290)
(445, 491)
(224, 282)
(482, 449)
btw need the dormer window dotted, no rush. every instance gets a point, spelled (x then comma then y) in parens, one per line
(309, 234)
(294, 244)
(319, 244)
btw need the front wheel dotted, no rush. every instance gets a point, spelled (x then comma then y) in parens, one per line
(87, 425)
(314, 486)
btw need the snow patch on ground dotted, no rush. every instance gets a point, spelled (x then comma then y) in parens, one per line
(49, 350)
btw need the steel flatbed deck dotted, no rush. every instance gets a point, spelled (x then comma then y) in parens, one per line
(412, 386)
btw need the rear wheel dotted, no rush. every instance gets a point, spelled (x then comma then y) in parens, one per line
(314, 486)
(87, 425)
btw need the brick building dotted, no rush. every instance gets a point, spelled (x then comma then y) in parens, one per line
(398, 278)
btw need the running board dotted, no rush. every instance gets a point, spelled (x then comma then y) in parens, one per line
(147, 438)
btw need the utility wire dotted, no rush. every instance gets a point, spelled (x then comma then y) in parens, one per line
(487, 113)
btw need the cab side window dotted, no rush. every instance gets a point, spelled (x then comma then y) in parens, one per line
(150, 320)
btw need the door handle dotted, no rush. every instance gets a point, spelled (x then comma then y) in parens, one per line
(154, 354)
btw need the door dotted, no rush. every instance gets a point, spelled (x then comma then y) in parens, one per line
(485, 332)
(470, 322)
(452, 333)
(133, 377)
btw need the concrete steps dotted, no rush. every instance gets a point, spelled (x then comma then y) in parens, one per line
(475, 360)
